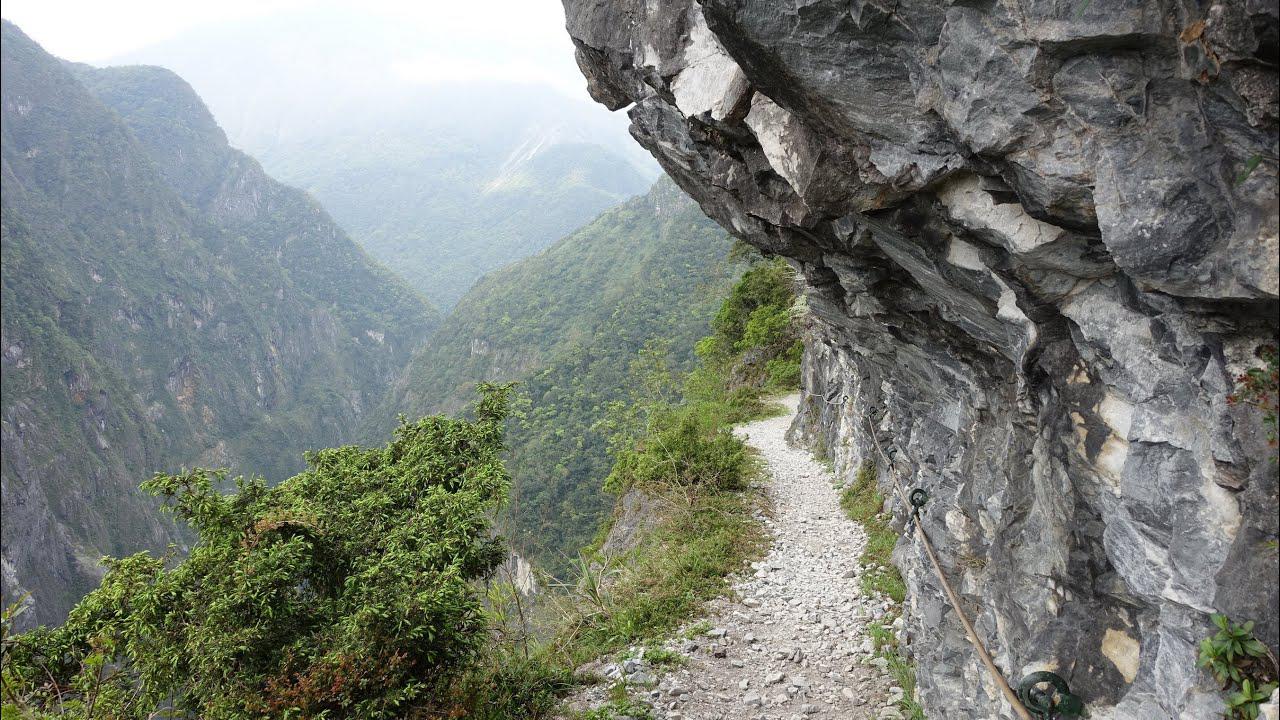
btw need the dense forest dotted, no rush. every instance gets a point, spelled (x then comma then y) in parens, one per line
(569, 325)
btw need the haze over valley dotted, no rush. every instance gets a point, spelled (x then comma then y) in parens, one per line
(639, 360)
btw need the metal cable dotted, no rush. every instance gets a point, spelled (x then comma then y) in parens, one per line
(974, 640)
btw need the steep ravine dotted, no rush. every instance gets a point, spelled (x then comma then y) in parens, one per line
(1040, 240)
(166, 305)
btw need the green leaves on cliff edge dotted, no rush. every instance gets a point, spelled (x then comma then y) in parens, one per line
(345, 591)
(1259, 387)
(1241, 664)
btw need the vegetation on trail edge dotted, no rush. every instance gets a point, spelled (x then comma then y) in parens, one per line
(862, 502)
(674, 444)
(345, 591)
(365, 586)
(568, 325)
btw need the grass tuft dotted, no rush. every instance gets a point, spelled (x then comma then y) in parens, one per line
(902, 670)
(863, 503)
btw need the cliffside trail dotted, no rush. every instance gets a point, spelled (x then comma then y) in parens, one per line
(1038, 240)
(792, 642)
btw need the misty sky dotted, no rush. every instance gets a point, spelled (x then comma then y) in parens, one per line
(276, 72)
(510, 40)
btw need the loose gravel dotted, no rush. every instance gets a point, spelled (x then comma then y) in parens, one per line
(790, 642)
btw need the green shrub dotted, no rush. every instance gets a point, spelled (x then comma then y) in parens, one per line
(783, 371)
(902, 669)
(1241, 664)
(861, 499)
(754, 349)
(512, 685)
(766, 326)
(687, 445)
(862, 502)
(346, 591)
(1259, 387)
(756, 312)
(704, 536)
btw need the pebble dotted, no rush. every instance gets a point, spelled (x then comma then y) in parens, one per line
(795, 645)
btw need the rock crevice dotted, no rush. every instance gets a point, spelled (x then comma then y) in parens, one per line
(1039, 240)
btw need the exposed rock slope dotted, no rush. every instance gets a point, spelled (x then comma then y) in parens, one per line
(1040, 238)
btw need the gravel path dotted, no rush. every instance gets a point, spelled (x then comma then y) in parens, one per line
(791, 642)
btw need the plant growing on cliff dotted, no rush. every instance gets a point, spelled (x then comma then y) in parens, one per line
(1259, 387)
(903, 670)
(686, 445)
(348, 590)
(1246, 702)
(862, 502)
(1241, 664)
(755, 339)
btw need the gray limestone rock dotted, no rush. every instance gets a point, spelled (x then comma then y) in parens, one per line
(1039, 239)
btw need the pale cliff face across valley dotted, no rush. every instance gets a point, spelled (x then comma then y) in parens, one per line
(442, 179)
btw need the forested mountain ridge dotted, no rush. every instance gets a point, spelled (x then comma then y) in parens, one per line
(191, 153)
(166, 304)
(568, 324)
(442, 178)
(443, 204)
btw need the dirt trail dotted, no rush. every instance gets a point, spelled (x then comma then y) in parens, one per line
(791, 642)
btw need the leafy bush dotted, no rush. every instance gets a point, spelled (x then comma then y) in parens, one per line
(688, 445)
(1247, 701)
(862, 502)
(1241, 664)
(704, 536)
(755, 314)
(783, 371)
(754, 347)
(1229, 653)
(345, 591)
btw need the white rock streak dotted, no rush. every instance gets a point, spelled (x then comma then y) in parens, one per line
(711, 81)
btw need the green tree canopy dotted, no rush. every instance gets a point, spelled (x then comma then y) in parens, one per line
(345, 591)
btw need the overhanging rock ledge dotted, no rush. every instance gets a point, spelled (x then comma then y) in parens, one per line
(1039, 239)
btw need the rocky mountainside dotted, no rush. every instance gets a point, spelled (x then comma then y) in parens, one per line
(166, 304)
(1040, 242)
(444, 199)
(441, 179)
(568, 324)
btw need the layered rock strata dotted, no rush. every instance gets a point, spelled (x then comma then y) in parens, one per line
(1039, 240)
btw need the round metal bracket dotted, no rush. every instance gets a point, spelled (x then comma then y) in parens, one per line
(1048, 696)
(919, 497)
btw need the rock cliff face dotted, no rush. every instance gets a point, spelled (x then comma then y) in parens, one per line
(1039, 239)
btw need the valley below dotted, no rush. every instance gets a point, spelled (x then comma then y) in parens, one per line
(931, 372)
